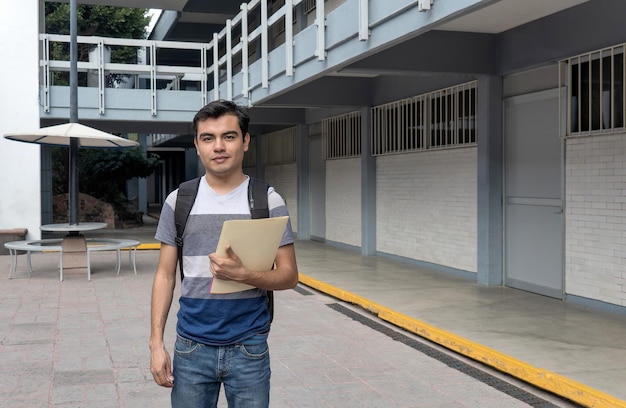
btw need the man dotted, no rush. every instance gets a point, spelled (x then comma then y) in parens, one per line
(221, 339)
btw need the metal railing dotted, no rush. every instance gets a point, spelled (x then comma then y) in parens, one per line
(341, 136)
(441, 119)
(280, 147)
(593, 85)
(217, 59)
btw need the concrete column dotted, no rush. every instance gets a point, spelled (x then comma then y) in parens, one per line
(490, 168)
(304, 183)
(20, 165)
(368, 186)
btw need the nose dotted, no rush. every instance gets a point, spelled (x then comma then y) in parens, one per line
(218, 144)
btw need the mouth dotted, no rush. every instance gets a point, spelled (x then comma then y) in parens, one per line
(220, 159)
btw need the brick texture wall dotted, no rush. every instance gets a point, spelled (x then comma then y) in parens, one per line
(426, 207)
(595, 218)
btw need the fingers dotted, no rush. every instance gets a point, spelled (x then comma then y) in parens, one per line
(161, 368)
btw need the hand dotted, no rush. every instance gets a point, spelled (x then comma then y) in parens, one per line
(161, 367)
(228, 268)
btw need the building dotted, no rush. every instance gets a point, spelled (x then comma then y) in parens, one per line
(480, 138)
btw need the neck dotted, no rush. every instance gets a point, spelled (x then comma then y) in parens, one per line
(223, 185)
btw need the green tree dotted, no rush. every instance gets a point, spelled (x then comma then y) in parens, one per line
(102, 172)
(101, 21)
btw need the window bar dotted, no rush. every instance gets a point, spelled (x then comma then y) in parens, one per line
(363, 20)
(447, 101)
(401, 128)
(101, 76)
(153, 94)
(590, 76)
(245, 79)
(438, 118)
(203, 79)
(393, 124)
(321, 30)
(289, 37)
(471, 113)
(265, 82)
(462, 114)
(601, 92)
(611, 89)
(580, 99)
(216, 67)
(229, 59)
(46, 73)
(375, 132)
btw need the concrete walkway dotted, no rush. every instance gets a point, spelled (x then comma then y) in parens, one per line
(84, 344)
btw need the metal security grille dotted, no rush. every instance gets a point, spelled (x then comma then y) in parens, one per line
(341, 136)
(440, 119)
(309, 6)
(594, 91)
(279, 147)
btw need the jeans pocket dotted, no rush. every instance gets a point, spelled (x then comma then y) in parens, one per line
(185, 346)
(255, 347)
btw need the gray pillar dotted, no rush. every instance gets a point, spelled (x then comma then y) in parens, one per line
(304, 183)
(260, 166)
(142, 183)
(368, 187)
(192, 166)
(490, 167)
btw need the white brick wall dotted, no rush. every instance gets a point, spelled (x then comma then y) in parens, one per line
(343, 201)
(595, 218)
(426, 207)
(284, 179)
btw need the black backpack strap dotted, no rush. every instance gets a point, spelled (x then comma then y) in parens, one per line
(257, 196)
(187, 192)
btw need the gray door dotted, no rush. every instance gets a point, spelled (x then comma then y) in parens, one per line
(533, 185)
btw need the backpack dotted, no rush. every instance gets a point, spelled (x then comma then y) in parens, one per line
(187, 191)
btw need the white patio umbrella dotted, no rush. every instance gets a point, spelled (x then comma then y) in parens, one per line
(60, 135)
(75, 136)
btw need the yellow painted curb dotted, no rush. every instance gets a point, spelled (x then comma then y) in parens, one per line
(541, 378)
(149, 246)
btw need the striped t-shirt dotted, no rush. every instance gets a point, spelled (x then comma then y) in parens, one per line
(207, 318)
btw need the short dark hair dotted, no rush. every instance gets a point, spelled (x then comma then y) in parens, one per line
(220, 108)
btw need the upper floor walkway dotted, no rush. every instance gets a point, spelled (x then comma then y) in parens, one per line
(262, 58)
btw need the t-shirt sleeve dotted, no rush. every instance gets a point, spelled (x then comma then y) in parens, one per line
(166, 228)
(278, 208)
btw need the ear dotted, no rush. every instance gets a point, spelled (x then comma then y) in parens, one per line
(246, 142)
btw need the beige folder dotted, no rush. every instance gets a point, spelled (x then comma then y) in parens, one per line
(255, 242)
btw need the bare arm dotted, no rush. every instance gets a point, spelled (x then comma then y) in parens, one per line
(162, 294)
(284, 276)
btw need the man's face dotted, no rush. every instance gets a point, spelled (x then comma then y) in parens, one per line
(221, 145)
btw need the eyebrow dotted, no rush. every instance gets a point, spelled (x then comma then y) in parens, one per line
(227, 133)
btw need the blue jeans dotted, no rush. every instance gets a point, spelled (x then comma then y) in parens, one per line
(199, 370)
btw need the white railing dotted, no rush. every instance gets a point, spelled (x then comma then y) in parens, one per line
(213, 60)
(150, 72)
(230, 52)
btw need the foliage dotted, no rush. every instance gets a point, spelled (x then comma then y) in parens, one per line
(102, 172)
(102, 21)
